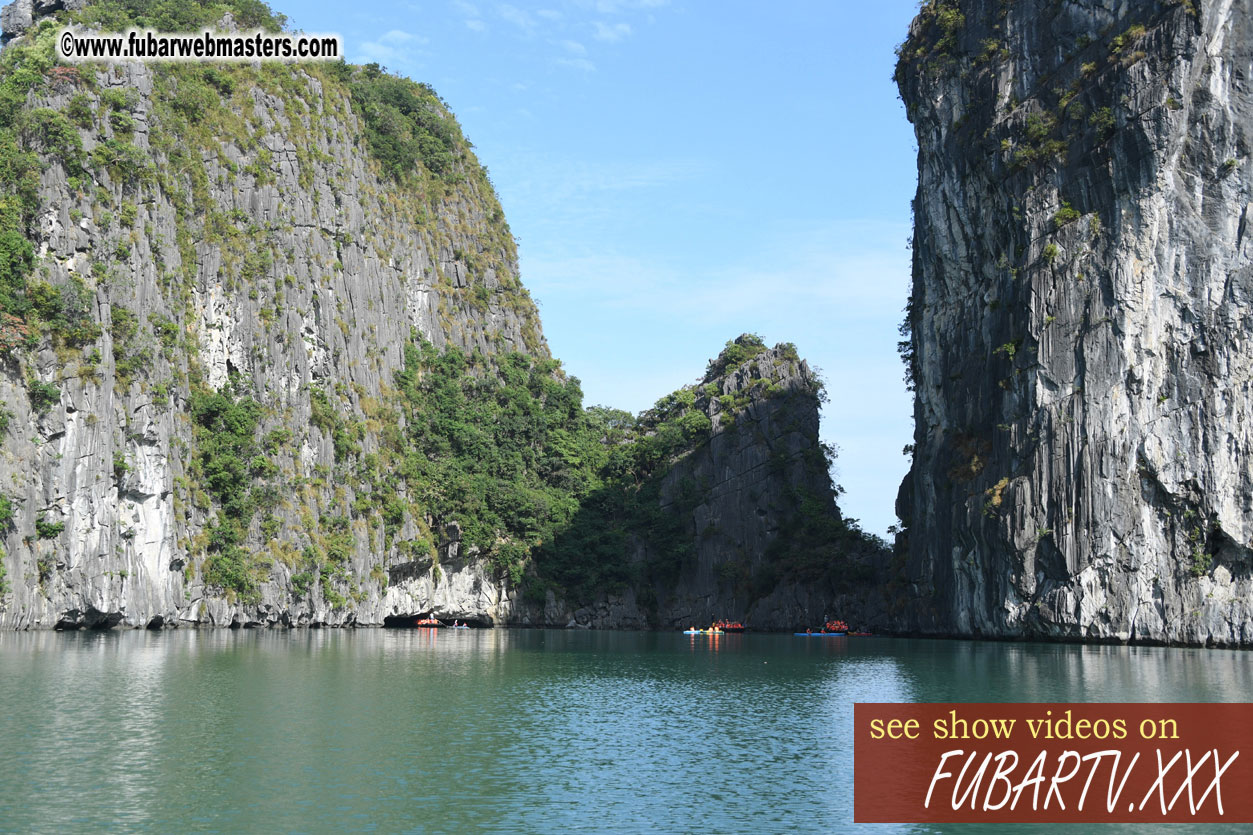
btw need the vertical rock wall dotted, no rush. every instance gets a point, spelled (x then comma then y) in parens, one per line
(1081, 320)
(276, 256)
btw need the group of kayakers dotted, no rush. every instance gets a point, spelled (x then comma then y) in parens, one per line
(831, 627)
(835, 627)
(717, 627)
(432, 622)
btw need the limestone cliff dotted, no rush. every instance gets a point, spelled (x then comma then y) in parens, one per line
(1080, 320)
(209, 227)
(266, 359)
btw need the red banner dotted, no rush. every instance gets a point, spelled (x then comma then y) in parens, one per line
(1007, 763)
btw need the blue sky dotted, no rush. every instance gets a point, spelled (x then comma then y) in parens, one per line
(678, 173)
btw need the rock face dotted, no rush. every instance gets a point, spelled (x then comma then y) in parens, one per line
(274, 256)
(18, 16)
(1081, 320)
(222, 276)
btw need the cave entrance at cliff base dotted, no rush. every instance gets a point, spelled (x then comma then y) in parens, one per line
(412, 622)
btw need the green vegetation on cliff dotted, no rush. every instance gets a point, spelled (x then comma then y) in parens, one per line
(178, 15)
(228, 463)
(506, 454)
(407, 125)
(19, 178)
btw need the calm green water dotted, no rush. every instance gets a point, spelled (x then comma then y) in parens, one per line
(498, 731)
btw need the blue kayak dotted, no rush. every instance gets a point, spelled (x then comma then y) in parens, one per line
(819, 634)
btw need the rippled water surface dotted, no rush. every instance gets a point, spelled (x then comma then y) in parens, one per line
(499, 731)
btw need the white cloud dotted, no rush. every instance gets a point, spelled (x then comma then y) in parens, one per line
(473, 20)
(577, 63)
(396, 37)
(574, 47)
(377, 53)
(394, 49)
(517, 17)
(612, 32)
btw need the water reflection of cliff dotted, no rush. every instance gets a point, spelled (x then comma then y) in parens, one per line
(989, 671)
